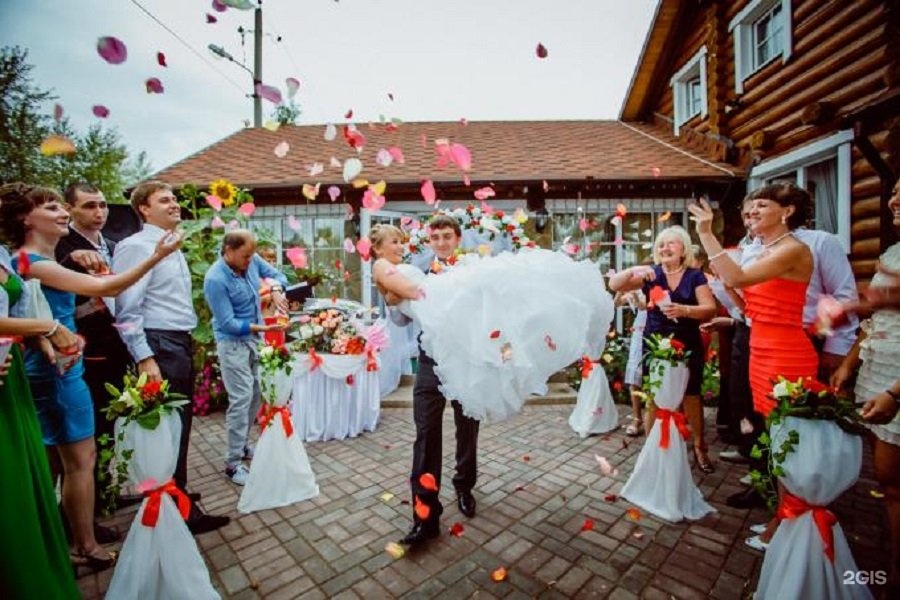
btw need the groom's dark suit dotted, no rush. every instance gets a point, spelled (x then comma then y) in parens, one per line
(428, 411)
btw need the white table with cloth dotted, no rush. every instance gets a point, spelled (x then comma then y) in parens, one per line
(335, 400)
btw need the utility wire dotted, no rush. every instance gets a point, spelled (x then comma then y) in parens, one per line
(240, 87)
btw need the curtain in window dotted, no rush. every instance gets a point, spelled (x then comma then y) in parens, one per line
(821, 181)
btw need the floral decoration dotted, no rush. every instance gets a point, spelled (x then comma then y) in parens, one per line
(331, 331)
(494, 223)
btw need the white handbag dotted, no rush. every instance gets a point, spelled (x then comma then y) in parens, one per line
(36, 305)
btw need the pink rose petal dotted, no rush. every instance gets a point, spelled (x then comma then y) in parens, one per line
(293, 222)
(247, 209)
(372, 201)
(281, 149)
(330, 132)
(161, 59)
(218, 6)
(210, 19)
(154, 86)
(57, 112)
(461, 156)
(232, 224)
(541, 51)
(428, 193)
(466, 180)
(297, 256)
(397, 153)
(112, 50)
(217, 223)
(272, 94)
(292, 84)
(100, 111)
(484, 193)
(214, 201)
(364, 247)
(349, 248)
(315, 168)
(384, 158)
(333, 192)
(486, 208)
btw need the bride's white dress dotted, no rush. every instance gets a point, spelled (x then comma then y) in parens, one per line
(499, 326)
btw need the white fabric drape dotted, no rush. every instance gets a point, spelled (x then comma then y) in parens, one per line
(161, 562)
(825, 462)
(326, 406)
(661, 482)
(281, 473)
(394, 359)
(595, 412)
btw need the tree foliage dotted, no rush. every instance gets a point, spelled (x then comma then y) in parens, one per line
(101, 158)
(286, 114)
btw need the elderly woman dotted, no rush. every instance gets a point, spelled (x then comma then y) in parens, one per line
(691, 303)
(878, 386)
(32, 219)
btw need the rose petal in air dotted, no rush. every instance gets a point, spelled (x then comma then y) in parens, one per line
(214, 202)
(333, 192)
(428, 193)
(218, 6)
(292, 84)
(154, 86)
(330, 132)
(349, 248)
(352, 168)
(541, 51)
(364, 247)
(100, 111)
(606, 468)
(272, 94)
(293, 223)
(588, 525)
(397, 154)
(281, 149)
(247, 209)
(348, 114)
(57, 144)
(210, 19)
(297, 256)
(485, 193)
(112, 50)
(217, 223)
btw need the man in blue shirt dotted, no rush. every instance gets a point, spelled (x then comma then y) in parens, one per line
(231, 288)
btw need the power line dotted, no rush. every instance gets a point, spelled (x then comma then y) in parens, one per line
(240, 87)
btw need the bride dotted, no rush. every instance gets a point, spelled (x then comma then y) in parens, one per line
(497, 327)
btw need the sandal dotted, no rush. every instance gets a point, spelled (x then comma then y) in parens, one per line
(702, 460)
(92, 563)
(635, 428)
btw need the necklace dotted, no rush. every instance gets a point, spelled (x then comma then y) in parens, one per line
(673, 272)
(776, 240)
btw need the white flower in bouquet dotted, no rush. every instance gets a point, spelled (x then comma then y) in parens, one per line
(782, 389)
(306, 332)
(318, 329)
(665, 343)
(267, 351)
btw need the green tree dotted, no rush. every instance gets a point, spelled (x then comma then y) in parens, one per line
(22, 125)
(286, 114)
(101, 156)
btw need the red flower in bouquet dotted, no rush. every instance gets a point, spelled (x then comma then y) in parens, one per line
(678, 346)
(150, 389)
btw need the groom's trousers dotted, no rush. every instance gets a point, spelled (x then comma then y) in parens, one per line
(428, 414)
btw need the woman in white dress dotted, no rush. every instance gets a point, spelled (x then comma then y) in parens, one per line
(878, 386)
(497, 327)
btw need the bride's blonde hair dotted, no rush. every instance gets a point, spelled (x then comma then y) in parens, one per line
(381, 233)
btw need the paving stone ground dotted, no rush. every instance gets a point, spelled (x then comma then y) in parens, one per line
(538, 483)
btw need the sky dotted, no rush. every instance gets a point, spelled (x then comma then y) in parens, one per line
(440, 60)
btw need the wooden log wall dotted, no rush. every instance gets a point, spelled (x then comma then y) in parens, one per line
(843, 57)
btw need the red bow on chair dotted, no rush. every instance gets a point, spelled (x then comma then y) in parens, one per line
(269, 413)
(371, 361)
(668, 416)
(151, 511)
(792, 506)
(315, 359)
(587, 366)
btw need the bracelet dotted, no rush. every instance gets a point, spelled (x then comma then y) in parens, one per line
(892, 394)
(717, 255)
(53, 329)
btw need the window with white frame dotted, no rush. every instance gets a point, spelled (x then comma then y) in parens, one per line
(762, 33)
(689, 90)
(823, 169)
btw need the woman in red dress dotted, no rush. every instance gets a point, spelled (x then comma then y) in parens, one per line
(774, 287)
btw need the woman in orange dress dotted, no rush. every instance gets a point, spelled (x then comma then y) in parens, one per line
(774, 287)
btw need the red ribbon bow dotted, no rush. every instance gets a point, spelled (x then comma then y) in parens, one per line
(671, 416)
(267, 414)
(792, 506)
(371, 362)
(316, 360)
(151, 511)
(587, 365)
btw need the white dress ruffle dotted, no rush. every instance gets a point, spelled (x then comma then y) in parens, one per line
(498, 327)
(825, 462)
(661, 482)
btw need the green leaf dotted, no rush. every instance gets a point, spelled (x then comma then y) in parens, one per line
(112, 390)
(149, 420)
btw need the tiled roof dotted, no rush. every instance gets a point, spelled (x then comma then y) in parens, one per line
(501, 151)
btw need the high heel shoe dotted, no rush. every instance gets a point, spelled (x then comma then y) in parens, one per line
(702, 460)
(90, 562)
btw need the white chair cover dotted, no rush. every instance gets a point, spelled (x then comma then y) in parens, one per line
(661, 482)
(825, 462)
(595, 412)
(161, 562)
(325, 406)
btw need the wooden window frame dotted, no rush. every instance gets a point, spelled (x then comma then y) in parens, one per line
(743, 29)
(693, 69)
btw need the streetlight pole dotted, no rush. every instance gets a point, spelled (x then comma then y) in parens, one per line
(256, 73)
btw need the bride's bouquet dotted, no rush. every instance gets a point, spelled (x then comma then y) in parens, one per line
(815, 451)
(280, 474)
(661, 482)
(159, 558)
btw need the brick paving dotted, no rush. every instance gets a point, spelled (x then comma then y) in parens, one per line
(538, 483)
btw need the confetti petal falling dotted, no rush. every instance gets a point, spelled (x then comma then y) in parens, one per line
(428, 193)
(292, 84)
(154, 86)
(352, 168)
(267, 92)
(541, 51)
(247, 209)
(333, 192)
(112, 50)
(499, 574)
(281, 149)
(298, 257)
(55, 145)
(100, 111)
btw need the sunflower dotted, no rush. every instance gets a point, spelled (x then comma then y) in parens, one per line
(222, 189)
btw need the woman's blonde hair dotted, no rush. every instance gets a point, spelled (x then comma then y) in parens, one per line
(680, 233)
(381, 233)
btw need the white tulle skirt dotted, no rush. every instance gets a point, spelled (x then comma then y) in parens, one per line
(661, 482)
(498, 327)
(825, 462)
(595, 412)
(280, 474)
(161, 562)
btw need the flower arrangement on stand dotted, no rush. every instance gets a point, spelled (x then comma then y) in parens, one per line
(815, 453)
(160, 557)
(330, 331)
(492, 223)
(141, 403)
(661, 482)
(805, 398)
(281, 473)
(614, 359)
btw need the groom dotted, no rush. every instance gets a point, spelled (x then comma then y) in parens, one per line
(428, 409)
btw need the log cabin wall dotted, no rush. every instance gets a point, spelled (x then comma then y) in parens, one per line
(843, 56)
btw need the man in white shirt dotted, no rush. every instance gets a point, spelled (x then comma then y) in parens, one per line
(155, 317)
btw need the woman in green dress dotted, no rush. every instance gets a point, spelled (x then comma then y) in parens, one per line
(34, 562)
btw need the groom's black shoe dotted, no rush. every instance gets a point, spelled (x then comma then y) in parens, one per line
(199, 522)
(421, 531)
(746, 499)
(466, 503)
